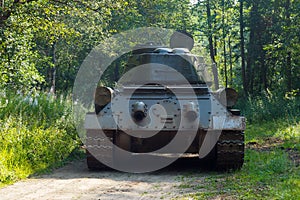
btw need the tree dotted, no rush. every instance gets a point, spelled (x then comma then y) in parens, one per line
(242, 46)
(211, 45)
(254, 43)
(52, 28)
(17, 58)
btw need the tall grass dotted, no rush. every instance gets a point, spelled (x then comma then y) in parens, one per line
(36, 132)
(270, 107)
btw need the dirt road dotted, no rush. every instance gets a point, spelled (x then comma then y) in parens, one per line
(75, 181)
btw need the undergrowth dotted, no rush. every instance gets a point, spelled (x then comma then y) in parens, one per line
(270, 107)
(36, 133)
(270, 171)
(272, 158)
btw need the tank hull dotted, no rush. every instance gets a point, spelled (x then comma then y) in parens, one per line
(163, 106)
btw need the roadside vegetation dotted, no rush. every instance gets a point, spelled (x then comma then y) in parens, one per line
(271, 168)
(272, 158)
(254, 44)
(37, 134)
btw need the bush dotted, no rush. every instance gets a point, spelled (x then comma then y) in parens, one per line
(270, 107)
(36, 132)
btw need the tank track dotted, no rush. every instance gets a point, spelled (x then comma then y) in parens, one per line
(230, 151)
(93, 163)
(98, 149)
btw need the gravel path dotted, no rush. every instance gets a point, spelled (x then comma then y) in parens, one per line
(75, 181)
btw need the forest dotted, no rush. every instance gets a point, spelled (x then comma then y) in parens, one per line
(255, 45)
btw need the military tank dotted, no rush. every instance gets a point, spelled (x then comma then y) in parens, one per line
(169, 93)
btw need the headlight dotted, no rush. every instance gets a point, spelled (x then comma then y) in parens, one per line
(139, 111)
(191, 111)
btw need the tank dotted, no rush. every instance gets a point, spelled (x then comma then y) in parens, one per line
(165, 93)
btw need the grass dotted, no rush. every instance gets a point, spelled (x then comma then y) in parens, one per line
(272, 158)
(36, 134)
(270, 107)
(271, 169)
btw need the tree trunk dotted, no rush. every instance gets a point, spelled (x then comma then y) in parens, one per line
(53, 70)
(211, 45)
(230, 61)
(289, 71)
(289, 54)
(264, 70)
(254, 50)
(242, 45)
(224, 43)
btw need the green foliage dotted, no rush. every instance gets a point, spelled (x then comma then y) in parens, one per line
(271, 43)
(269, 171)
(35, 133)
(17, 57)
(270, 106)
(43, 43)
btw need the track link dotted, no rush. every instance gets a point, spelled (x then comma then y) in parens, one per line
(98, 149)
(230, 151)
